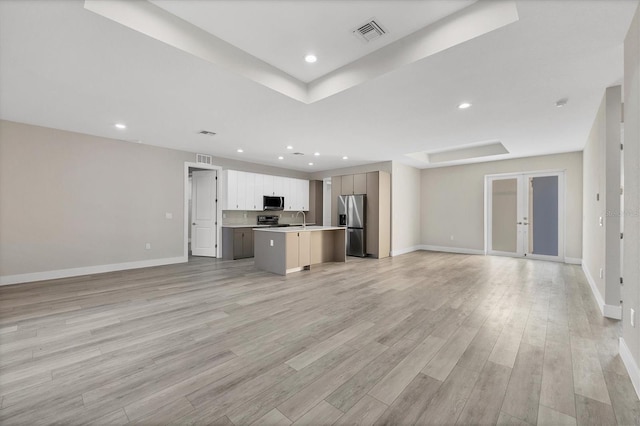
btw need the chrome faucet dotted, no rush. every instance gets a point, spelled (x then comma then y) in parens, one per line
(304, 218)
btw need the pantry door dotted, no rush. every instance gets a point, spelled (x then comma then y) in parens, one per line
(525, 215)
(204, 201)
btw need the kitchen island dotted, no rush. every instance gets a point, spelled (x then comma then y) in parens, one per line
(292, 249)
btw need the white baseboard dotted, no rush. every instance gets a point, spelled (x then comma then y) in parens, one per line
(630, 364)
(594, 288)
(404, 250)
(87, 270)
(446, 249)
(612, 311)
(573, 260)
(609, 311)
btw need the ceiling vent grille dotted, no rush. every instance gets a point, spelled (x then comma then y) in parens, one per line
(204, 159)
(369, 31)
(206, 132)
(298, 153)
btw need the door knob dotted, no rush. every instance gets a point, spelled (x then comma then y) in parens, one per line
(525, 223)
(193, 223)
(519, 223)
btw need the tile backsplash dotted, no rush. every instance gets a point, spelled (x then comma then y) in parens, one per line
(235, 217)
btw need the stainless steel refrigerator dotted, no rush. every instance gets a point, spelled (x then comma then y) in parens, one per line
(351, 213)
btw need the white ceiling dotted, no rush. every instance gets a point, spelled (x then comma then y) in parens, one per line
(65, 67)
(282, 32)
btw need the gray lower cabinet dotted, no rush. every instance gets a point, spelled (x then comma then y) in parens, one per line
(237, 243)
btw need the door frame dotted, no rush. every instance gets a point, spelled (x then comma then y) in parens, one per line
(562, 223)
(190, 165)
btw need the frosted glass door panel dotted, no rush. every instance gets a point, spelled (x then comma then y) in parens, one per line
(544, 215)
(505, 215)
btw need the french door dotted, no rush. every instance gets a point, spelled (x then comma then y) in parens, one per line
(525, 215)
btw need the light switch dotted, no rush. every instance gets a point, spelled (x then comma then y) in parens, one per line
(147, 246)
(168, 215)
(271, 243)
(600, 221)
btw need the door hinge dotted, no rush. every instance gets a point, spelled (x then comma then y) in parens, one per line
(216, 246)
(621, 280)
(621, 147)
(216, 223)
(621, 191)
(216, 200)
(621, 235)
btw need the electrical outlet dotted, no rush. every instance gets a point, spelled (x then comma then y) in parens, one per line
(168, 215)
(451, 238)
(601, 273)
(632, 317)
(271, 243)
(147, 246)
(245, 215)
(600, 221)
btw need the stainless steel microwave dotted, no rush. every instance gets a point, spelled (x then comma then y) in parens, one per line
(273, 203)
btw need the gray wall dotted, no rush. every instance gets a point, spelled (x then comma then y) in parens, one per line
(593, 253)
(71, 200)
(405, 208)
(631, 256)
(601, 176)
(453, 200)
(373, 167)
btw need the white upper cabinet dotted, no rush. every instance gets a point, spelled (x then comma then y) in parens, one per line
(231, 199)
(258, 191)
(279, 186)
(267, 185)
(244, 191)
(299, 194)
(290, 195)
(303, 186)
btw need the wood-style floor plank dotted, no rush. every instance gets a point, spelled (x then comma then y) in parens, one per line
(422, 338)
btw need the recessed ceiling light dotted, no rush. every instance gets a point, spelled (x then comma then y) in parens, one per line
(561, 102)
(311, 164)
(316, 153)
(240, 150)
(289, 147)
(310, 58)
(345, 158)
(281, 158)
(121, 126)
(464, 105)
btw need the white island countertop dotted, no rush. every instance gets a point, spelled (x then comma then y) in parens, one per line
(285, 229)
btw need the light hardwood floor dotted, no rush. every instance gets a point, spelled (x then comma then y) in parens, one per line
(423, 338)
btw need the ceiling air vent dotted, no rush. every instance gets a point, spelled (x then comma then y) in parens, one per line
(369, 31)
(206, 132)
(204, 159)
(298, 153)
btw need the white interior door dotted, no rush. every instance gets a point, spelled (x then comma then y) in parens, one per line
(204, 213)
(525, 215)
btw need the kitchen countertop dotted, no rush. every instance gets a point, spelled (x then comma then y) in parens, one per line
(300, 228)
(263, 226)
(245, 226)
